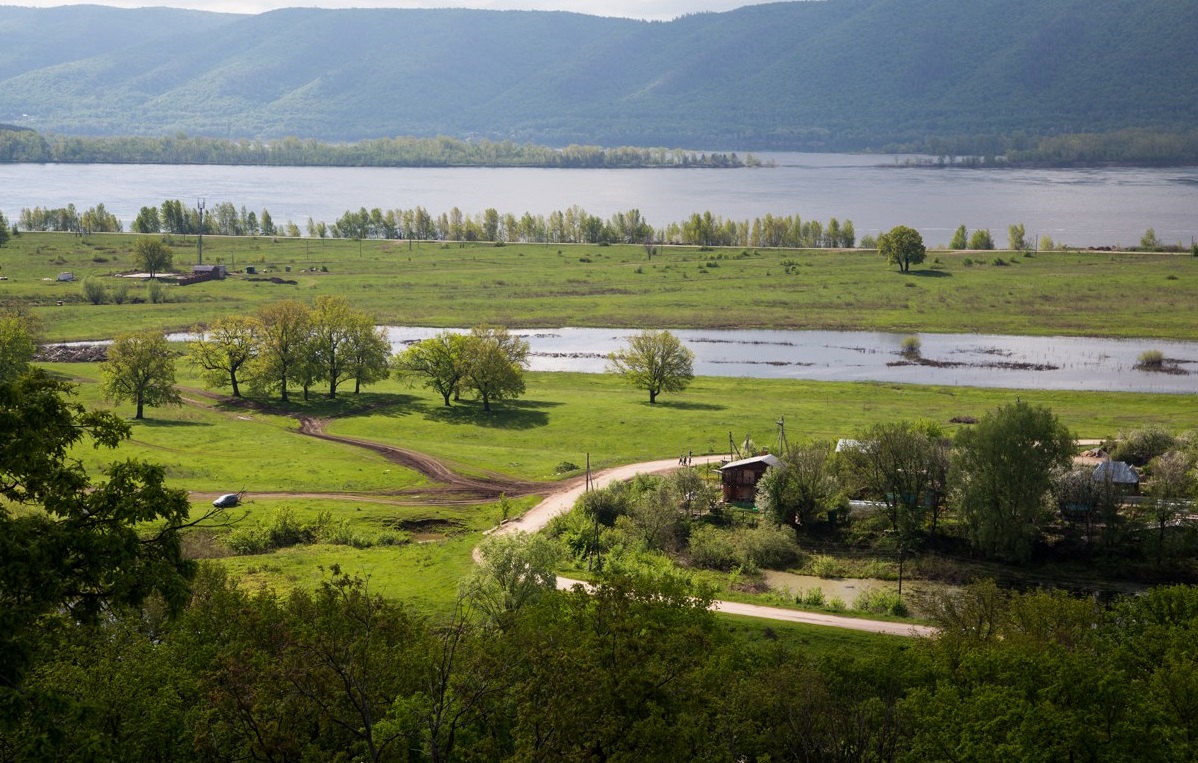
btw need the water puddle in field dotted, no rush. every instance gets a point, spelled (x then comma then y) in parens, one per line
(975, 360)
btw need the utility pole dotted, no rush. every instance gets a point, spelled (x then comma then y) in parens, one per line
(200, 244)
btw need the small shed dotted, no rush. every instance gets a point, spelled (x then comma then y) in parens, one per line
(1122, 475)
(214, 271)
(740, 478)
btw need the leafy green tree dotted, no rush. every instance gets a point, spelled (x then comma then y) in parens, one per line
(803, 486)
(329, 349)
(369, 352)
(71, 548)
(439, 361)
(902, 465)
(18, 343)
(151, 255)
(902, 246)
(4, 230)
(1003, 468)
(147, 221)
(1170, 491)
(267, 224)
(100, 220)
(981, 239)
(655, 361)
(224, 350)
(1016, 238)
(284, 331)
(141, 368)
(494, 364)
(960, 238)
(515, 571)
(1149, 240)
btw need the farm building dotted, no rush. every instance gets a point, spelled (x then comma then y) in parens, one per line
(1122, 475)
(201, 273)
(740, 478)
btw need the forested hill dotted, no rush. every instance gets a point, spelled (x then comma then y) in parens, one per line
(831, 74)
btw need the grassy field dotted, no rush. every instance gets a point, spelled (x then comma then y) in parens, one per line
(1073, 293)
(562, 417)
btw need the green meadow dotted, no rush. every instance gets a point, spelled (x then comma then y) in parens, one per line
(539, 285)
(376, 520)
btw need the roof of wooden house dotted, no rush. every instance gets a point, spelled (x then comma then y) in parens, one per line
(769, 459)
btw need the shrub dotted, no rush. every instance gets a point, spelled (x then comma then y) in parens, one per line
(998, 262)
(813, 597)
(880, 602)
(712, 549)
(156, 293)
(565, 467)
(769, 547)
(827, 567)
(94, 291)
(120, 293)
(1140, 446)
(911, 347)
(1153, 359)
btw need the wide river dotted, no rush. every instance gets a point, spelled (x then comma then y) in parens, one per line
(1079, 207)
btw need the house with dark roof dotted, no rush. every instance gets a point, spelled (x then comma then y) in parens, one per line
(739, 478)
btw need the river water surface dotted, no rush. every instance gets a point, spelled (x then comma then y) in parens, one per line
(975, 360)
(1080, 207)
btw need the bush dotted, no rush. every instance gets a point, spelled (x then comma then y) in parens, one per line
(712, 549)
(768, 547)
(813, 597)
(1140, 446)
(880, 602)
(1152, 359)
(827, 567)
(120, 293)
(156, 293)
(565, 467)
(94, 291)
(910, 347)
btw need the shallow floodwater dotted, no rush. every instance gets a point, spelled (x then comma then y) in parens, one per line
(915, 592)
(975, 360)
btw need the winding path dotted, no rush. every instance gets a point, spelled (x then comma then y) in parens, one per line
(456, 488)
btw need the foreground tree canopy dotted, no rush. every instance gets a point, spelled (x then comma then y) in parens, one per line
(70, 548)
(655, 361)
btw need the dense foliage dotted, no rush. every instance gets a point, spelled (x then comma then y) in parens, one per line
(839, 74)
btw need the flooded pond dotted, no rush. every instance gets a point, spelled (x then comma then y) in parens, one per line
(974, 360)
(915, 592)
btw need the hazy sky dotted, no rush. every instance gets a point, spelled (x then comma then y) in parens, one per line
(640, 9)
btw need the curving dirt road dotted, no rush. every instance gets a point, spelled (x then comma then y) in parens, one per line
(455, 488)
(562, 500)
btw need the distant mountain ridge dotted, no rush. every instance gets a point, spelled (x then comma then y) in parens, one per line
(826, 74)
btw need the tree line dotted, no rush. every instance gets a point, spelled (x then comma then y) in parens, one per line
(573, 225)
(23, 145)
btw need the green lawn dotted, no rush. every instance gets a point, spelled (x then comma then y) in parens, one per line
(1075, 293)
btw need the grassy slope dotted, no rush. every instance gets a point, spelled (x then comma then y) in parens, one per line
(1076, 293)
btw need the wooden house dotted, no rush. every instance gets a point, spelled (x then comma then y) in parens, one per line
(739, 478)
(1123, 476)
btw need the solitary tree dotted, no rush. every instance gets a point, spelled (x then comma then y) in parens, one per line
(225, 349)
(902, 246)
(439, 361)
(3, 229)
(284, 331)
(494, 364)
(655, 361)
(1003, 468)
(141, 368)
(152, 255)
